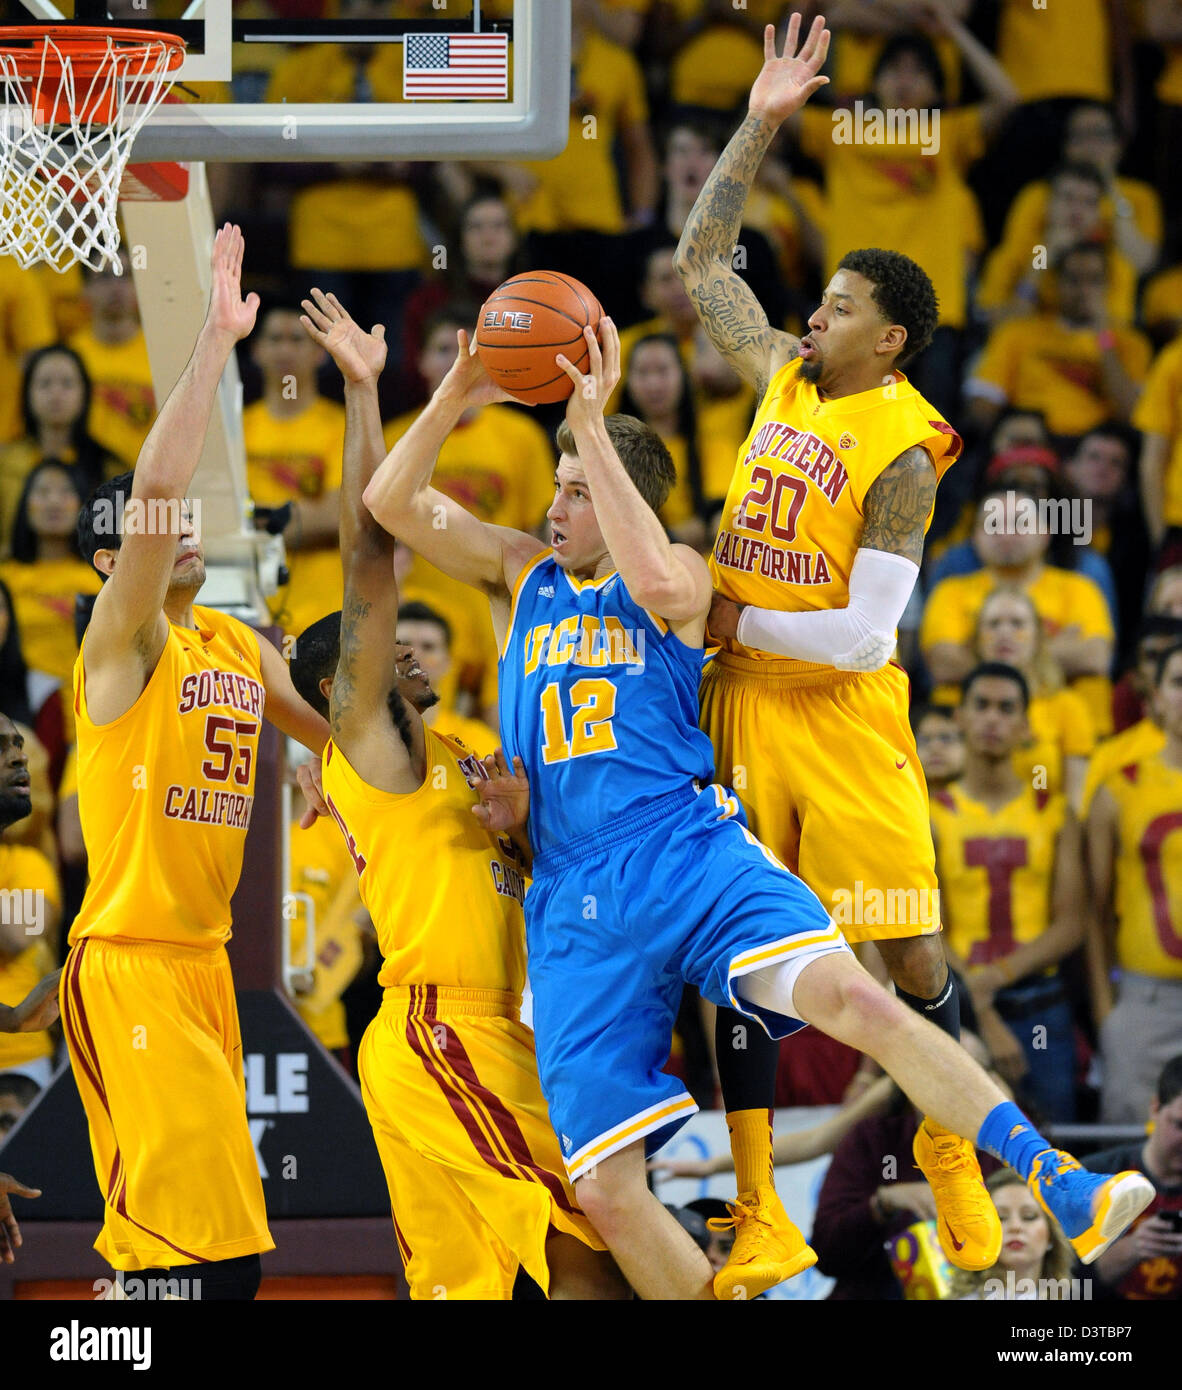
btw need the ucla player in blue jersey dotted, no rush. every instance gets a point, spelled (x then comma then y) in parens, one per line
(645, 874)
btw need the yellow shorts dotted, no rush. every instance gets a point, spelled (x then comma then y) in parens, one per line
(475, 1176)
(825, 764)
(154, 1043)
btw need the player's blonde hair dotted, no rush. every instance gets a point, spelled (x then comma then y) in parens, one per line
(642, 452)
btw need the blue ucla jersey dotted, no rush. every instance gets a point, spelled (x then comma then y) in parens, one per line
(599, 700)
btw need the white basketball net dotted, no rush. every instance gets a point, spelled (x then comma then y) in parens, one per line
(59, 184)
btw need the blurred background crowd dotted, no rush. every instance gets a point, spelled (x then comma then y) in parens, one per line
(1044, 204)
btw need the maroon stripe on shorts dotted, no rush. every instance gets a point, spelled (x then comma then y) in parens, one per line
(83, 1046)
(456, 1099)
(504, 1121)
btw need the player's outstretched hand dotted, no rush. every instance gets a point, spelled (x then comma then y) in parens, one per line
(504, 795)
(10, 1232)
(588, 400)
(308, 776)
(467, 383)
(785, 83)
(37, 1010)
(228, 311)
(360, 355)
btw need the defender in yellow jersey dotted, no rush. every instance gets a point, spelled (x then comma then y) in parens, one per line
(168, 699)
(1135, 857)
(819, 548)
(448, 1072)
(1011, 892)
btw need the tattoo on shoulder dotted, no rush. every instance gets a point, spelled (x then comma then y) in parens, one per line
(897, 506)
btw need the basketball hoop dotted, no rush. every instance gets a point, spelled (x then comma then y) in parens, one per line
(72, 100)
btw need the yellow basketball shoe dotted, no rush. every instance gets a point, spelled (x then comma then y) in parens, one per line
(968, 1225)
(768, 1248)
(1092, 1209)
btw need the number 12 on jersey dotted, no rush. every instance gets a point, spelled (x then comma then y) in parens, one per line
(592, 706)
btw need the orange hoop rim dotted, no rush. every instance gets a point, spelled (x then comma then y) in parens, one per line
(85, 46)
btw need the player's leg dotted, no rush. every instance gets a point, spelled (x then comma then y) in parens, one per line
(448, 1251)
(153, 1037)
(836, 994)
(739, 712)
(866, 850)
(578, 1272)
(655, 1253)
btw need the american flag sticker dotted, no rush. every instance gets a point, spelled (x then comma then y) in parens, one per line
(456, 67)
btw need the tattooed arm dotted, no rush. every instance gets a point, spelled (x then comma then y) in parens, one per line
(860, 636)
(365, 708)
(730, 313)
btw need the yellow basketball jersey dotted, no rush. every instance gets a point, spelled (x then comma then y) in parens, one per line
(444, 895)
(792, 522)
(996, 869)
(165, 791)
(1148, 794)
(1138, 741)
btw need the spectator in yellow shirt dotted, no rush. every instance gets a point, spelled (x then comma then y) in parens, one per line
(716, 67)
(1073, 365)
(29, 928)
(1158, 415)
(26, 323)
(55, 404)
(1053, 757)
(1071, 607)
(1161, 306)
(902, 185)
(294, 442)
(576, 205)
(44, 576)
(861, 28)
(115, 354)
(426, 630)
(497, 462)
(485, 255)
(658, 390)
(1019, 276)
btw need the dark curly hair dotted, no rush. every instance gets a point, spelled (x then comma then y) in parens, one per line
(108, 499)
(903, 293)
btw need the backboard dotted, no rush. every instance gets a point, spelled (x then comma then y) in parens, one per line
(242, 45)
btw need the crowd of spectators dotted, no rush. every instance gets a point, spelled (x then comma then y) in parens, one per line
(1039, 193)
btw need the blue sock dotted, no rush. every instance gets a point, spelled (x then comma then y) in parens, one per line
(1007, 1134)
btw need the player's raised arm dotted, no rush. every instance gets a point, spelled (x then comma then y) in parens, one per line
(860, 636)
(367, 668)
(128, 619)
(672, 580)
(401, 497)
(730, 313)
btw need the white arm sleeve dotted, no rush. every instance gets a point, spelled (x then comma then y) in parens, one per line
(859, 637)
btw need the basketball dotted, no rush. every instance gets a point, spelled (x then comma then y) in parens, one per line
(525, 323)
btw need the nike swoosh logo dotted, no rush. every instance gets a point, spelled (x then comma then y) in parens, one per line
(902, 764)
(957, 1244)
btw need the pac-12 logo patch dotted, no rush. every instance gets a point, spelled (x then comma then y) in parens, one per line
(847, 441)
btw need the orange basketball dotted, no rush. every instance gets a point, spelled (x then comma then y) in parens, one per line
(525, 323)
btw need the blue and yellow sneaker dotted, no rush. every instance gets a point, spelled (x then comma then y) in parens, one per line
(1093, 1209)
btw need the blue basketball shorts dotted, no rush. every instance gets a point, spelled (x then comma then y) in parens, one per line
(616, 923)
